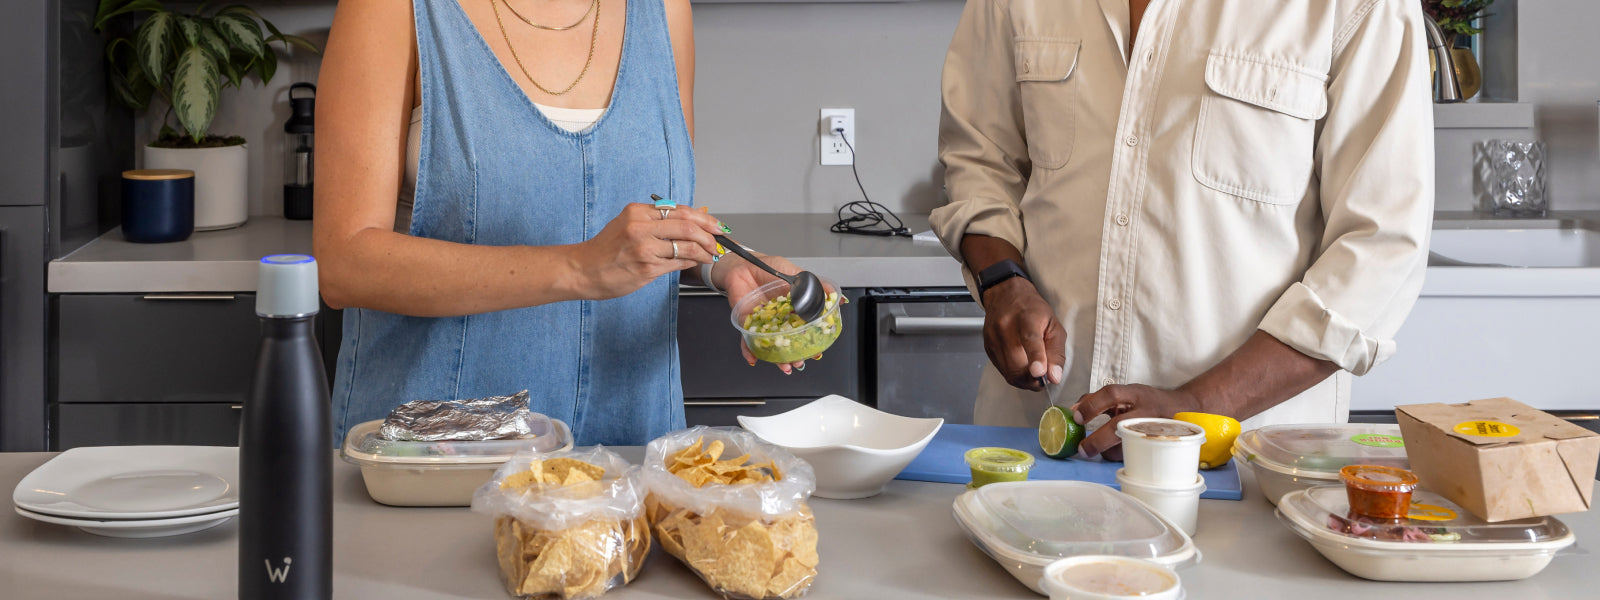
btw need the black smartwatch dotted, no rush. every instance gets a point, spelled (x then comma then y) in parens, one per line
(998, 273)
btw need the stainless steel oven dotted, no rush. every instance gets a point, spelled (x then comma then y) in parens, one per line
(926, 352)
(717, 384)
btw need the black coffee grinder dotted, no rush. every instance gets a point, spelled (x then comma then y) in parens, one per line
(298, 165)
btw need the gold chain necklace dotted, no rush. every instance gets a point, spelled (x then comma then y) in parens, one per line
(594, 38)
(530, 22)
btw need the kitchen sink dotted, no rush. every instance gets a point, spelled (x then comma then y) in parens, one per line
(1536, 245)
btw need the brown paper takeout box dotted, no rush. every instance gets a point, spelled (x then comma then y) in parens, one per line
(1501, 459)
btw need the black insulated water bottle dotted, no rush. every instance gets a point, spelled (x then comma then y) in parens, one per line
(285, 446)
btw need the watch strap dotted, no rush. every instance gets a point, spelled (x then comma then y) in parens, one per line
(998, 273)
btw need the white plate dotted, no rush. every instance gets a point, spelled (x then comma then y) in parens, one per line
(131, 528)
(133, 482)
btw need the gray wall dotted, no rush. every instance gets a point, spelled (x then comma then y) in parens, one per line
(765, 70)
(1559, 73)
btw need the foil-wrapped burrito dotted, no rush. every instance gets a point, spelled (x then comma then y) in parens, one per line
(477, 419)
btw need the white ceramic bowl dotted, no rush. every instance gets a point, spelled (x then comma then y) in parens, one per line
(854, 449)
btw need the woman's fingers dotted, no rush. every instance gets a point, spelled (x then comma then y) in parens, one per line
(686, 233)
(700, 219)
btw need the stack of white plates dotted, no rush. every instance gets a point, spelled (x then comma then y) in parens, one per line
(134, 491)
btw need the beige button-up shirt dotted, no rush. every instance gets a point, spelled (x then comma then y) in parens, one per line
(1244, 165)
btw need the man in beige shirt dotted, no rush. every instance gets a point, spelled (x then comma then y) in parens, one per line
(1227, 212)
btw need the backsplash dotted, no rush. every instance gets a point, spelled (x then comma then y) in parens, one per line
(764, 70)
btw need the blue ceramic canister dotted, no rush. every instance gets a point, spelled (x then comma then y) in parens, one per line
(157, 205)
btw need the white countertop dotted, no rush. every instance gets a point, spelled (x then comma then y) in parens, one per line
(901, 545)
(225, 260)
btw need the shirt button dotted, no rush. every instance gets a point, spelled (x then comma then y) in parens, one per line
(1108, 381)
(1133, 140)
(1026, 65)
(1122, 219)
(1114, 303)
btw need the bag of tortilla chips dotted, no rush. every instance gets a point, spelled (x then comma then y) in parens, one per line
(567, 524)
(733, 508)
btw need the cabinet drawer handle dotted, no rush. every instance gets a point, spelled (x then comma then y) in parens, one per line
(237, 407)
(696, 292)
(188, 296)
(935, 325)
(1582, 417)
(724, 402)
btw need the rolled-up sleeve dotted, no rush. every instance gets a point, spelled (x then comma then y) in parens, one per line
(981, 139)
(1375, 161)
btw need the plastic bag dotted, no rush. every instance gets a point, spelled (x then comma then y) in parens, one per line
(568, 524)
(748, 541)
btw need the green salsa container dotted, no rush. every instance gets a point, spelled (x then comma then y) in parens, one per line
(993, 465)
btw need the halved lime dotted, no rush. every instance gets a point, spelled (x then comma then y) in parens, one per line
(1058, 433)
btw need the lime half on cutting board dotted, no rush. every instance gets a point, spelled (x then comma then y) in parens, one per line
(1058, 433)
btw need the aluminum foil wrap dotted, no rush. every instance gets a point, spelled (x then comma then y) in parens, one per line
(477, 419)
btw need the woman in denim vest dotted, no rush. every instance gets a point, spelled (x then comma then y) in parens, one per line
(483, 215)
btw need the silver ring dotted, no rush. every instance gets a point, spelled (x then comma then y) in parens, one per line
(674, 248)
(665, 212)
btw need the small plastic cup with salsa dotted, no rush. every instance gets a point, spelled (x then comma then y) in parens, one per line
(1378, 492)
(993, 465)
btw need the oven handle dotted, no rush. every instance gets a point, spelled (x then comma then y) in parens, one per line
(935, 325)
(724, 402)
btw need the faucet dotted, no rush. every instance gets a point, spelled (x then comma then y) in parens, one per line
(1449, 90)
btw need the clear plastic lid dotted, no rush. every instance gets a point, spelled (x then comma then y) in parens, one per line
(363, 447)
(1434, 522)
(1048, 520)
(1319, 451)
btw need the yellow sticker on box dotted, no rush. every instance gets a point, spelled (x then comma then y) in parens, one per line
(1487, 429)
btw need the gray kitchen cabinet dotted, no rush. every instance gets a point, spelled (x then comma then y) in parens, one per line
(155, 347)
(157, 368)
(131, 423)
(708, 351)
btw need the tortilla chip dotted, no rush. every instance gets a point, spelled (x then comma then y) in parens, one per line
(792, 579)
(521, 480)
(748, 561)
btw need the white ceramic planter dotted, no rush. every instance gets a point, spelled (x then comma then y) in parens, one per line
(1161, 461)
(221, 181)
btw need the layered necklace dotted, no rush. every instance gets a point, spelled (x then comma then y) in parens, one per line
(594, 37)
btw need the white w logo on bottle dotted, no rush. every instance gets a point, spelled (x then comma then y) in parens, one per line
(278, 575)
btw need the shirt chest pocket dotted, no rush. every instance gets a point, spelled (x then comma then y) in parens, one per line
(1256, 134)
(1048, 94)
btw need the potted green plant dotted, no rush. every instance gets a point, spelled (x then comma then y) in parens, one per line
(1455, 18)
(185, 60)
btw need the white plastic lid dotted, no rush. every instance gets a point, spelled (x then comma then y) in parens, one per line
(1041, 521)
(286, 286)
(1319, 451)
(362, 446)
(1110, 578)
(1434, 524)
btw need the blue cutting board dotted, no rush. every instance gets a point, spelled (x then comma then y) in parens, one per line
(943, 461)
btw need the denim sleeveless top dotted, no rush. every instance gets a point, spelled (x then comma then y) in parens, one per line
(493, 170)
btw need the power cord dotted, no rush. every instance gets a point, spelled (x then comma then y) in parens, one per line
(866, 217)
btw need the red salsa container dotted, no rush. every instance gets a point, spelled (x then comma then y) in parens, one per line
(1378, 492)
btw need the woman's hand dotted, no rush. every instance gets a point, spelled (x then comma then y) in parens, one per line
(1126, 402)
(738, 277)
(639, 246)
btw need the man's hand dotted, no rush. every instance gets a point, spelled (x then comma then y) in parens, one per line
(1022, 336)
(1122, 402)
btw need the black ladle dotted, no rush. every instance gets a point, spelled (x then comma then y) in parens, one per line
(807, 297)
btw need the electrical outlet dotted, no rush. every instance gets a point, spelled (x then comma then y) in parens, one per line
(831, 147)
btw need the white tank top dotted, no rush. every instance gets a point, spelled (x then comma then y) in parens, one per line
(573, 120)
